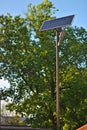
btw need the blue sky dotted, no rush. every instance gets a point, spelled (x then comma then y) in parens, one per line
(66, 7)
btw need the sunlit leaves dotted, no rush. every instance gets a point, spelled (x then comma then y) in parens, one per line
(27, 58)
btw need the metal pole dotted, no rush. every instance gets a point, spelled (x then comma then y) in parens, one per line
(57, 81)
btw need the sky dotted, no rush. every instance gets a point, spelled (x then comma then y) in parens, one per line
(66, 7)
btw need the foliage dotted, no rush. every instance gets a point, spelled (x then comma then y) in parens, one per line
(14, 121)
(73, 74)
(27, 58)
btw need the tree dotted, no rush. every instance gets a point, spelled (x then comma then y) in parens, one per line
(29, 73)
(73, 74)
(5, 112)
(28, 63)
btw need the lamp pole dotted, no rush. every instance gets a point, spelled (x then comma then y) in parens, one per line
(57, 24)
(59, 35)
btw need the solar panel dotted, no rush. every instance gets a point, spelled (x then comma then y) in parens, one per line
(57, 23)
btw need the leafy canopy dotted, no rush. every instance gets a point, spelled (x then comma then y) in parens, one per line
(27, 61)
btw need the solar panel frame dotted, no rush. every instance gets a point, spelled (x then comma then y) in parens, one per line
(57, 23)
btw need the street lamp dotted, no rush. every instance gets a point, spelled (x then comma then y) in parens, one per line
(57, 24)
